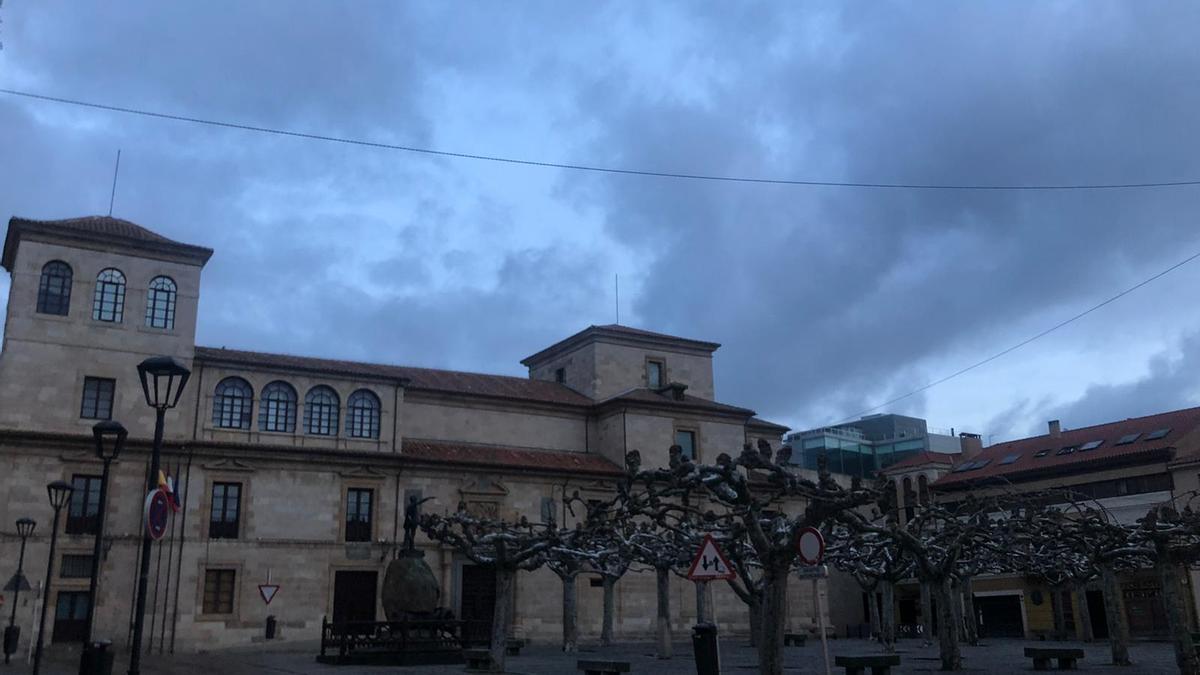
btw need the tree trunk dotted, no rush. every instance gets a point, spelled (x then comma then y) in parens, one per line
(1114, 617)
(960, 626)
(1085, 613)
(926, 612)
(702, 602)
(1060, 617)
(1177, 618)
(606, 628)
(501, 617)
(969, 619)
(570, 610)
(755, 607)
(873, 614)
(888, 616)
(947, 633)
(771, 629)
(663, 579)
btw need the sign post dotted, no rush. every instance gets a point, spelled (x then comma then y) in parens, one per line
(710, 564)
(810, 547)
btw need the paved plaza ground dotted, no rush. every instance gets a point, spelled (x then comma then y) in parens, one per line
(992, 656)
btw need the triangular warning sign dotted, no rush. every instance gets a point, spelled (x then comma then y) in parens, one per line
(710, 563)
(268, 591)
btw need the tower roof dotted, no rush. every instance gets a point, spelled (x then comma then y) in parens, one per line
(98, 230)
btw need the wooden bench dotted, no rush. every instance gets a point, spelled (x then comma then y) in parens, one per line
(880, 664)
(794, 639)
(478, 660)
(513, 646)
(1041, 657)
(602, 667)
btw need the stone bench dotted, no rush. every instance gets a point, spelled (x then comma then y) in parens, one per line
(513, 646)
(478, 660)
(794, 639)
(602, 667)
(880, 664)
(1041, 657)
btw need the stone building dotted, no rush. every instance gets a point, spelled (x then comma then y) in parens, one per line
(291, 470)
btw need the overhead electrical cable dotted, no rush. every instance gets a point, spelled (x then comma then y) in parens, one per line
(1024, 342)
(602, 169)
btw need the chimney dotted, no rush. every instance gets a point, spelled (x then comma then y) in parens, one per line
(677, 389)
(971, 444)
(1055, 429)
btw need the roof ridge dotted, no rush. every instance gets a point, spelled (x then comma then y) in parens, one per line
(1097, 426)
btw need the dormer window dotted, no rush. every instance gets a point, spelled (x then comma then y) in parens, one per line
(654, 374)
(108, 303)
(54, 290)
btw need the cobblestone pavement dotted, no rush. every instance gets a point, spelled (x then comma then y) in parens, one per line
(992, 656)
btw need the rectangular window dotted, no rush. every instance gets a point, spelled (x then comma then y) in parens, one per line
(654, 374)
(358, 514)
(560, 375)
(686, 440)
(225, 514)
(218, 591)
(549, 510)
(83, 516)
(97, 398)
(76, 566)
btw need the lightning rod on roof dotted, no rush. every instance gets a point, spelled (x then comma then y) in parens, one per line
(113, 195)
(617, 296)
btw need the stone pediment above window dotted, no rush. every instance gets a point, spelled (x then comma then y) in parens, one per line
(229, 464)
(483, 497)
(363, 473)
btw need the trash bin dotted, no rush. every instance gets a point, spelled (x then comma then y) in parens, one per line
(97, 658)
(12, 635)
(271, 627)
(704, 649)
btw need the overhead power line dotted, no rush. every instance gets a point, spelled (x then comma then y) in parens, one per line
(1024, 342)
(596, 168)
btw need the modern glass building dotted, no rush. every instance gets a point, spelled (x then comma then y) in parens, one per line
(867, 445)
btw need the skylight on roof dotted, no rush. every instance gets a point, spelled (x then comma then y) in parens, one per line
(1010, 458)
(1042, 453)
(981, 463)
(1090, 445)
(1128, 438)
(1157, 434)
(1067, 450)
(963, 467)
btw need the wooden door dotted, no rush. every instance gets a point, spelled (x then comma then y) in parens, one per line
(354, 596)
(478, 602)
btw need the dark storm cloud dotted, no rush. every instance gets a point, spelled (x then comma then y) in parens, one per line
(828, 300)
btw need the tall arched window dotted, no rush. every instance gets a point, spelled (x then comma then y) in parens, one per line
(160, 303)
(54, 290)
(277, 408)
(923, 490)
(232, 401)
(910, 499)
(321, 411)
(108, 304)
(362, 414)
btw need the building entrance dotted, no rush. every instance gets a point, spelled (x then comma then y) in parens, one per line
(478, 602)
(354, 596)
(999, 616)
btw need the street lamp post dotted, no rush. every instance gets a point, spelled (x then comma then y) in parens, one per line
(162, 379)
(12, 634)
(59, 492)
(110, 440)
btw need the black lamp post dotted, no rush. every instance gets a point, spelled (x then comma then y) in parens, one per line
(163, 379)
(12, 634)
(110, 440)
(59, 492)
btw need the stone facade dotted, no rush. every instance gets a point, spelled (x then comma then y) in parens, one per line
(511, 446)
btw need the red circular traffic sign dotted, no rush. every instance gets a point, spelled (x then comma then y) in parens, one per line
(811, 546)
(158, 508)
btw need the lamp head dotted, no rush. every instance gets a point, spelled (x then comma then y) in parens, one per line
(162, 381)
(25, 527)
(110, 439)
(59, 492)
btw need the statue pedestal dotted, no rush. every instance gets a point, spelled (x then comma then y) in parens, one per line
(410, 589)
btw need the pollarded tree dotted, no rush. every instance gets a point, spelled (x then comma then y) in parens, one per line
(875, 562)
(757, 487)
(1172, 536)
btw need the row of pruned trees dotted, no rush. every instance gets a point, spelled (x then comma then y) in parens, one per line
(755, 505)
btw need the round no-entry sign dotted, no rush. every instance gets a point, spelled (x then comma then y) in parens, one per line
(158, 507)
(811, 546)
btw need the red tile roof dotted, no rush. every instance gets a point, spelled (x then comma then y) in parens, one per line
(443, 452)
(104, 228)
(427, 379)
(1026, 466)
(922, 458)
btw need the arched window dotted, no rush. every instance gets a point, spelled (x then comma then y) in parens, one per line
(160, 303)
(910, 499)
(321, 411)
(54, 290)
(362, 415)
(923, 490)
(277, 408)
(231, 404)
(108, 304)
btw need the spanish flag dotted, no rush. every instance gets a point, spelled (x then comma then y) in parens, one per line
(167, 485)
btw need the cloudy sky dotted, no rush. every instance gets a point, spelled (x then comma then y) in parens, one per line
(828, 300)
